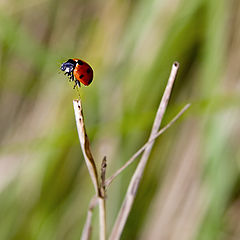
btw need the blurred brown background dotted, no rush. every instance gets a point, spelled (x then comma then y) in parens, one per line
(190, 189)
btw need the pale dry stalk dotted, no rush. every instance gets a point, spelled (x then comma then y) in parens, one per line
(135, 180)
(84, 142)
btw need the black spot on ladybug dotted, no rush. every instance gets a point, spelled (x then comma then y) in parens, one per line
(80, 62)
(88, 70)
(82, 76)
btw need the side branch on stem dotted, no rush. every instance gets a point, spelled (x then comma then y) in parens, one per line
(135, 155)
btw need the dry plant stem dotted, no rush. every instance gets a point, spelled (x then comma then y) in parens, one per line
(131, 160)
(87, 227)
(84, 142)
(102, 217)
(135, 180)
(135, 155)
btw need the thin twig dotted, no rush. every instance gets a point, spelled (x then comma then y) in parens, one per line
(135, 155)
(88, 226)
(135, 180)
(84, 142)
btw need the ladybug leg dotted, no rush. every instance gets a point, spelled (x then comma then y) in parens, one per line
(68, 74)
(75, 85)
(71, 76)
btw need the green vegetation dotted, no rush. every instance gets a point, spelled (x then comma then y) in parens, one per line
(190, 188)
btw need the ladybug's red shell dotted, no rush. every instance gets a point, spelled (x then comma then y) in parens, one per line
(83, 72)
(78, 71)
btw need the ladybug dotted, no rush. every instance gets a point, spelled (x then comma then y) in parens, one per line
(78, 71)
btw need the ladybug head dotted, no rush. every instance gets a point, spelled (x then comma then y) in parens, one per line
(68, 66)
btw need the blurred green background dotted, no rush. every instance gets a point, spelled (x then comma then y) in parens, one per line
(190, 188)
